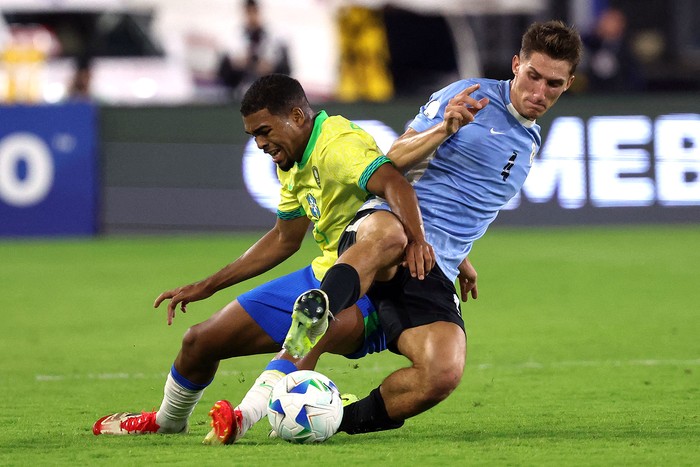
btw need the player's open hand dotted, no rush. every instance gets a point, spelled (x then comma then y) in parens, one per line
(462, 109)
(419, 259)
(181, 296)
(467, 280)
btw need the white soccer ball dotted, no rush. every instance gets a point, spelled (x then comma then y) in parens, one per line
(305, 407)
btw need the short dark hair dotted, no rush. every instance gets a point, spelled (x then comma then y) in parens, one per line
(277, 93)
(554, 39)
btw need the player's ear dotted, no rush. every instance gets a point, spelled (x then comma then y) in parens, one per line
(569, 82)
(515, 64)
(298, 116)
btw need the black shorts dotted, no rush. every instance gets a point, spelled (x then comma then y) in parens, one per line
(405, 302)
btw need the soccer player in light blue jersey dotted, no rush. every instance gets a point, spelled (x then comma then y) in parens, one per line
(469, 151)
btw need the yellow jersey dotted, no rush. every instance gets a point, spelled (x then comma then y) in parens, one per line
(330, 183)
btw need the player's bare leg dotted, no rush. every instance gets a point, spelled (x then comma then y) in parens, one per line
(438, 353)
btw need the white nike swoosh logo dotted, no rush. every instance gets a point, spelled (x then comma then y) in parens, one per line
(494, 132)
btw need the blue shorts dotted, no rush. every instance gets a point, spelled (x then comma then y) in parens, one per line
(270, 305)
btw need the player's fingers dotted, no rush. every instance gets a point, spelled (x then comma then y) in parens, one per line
(424, 262)
(465, 99)
(160, 299)
(412, 260)
(431, 258)
(472, 103)
(475, 293)
(420, 269)
(172, 306)
(467, 91)
(475, 109)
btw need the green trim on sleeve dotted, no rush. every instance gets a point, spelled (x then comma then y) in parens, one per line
(289, 215)
(370, 169)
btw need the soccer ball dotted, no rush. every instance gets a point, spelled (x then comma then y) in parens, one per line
(305, 407)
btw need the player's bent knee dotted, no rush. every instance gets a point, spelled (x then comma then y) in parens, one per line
(441, 384)
(395, 241)
(439, 375)
(385, 233)
(193, 343)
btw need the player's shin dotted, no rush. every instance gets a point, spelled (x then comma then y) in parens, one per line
(367, 415)
(180, 397)
(342, 286)
(254, 403)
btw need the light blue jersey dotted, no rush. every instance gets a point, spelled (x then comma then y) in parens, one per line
(475, 172)
(465, 183)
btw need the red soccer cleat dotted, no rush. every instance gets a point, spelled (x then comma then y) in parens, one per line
(226, 424)
(124, 423)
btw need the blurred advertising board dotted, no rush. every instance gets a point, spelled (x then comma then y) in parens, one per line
(604, 160)
(48, 170)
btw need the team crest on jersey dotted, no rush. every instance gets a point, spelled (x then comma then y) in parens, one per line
(317, 177)
(533, 153)
(313, 205)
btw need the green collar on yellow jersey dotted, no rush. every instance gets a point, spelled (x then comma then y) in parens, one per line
(318, 121)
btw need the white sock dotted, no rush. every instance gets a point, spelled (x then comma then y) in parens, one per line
(254, 403)
(177, 406)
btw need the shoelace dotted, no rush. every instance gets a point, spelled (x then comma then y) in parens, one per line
(146, 422)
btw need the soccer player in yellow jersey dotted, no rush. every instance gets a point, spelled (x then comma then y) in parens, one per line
(328, 167)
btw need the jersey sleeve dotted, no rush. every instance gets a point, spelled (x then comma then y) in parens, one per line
(288, 207)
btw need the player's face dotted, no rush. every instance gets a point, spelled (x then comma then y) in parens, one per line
(282, 137)
(538, 82)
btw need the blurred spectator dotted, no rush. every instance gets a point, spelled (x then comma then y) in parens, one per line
(22, 59)
(263, 53)
(364, 56)
(79, 89)
(609, 62)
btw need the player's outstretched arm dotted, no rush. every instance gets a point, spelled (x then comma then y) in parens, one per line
(412, 147)
(274, 247)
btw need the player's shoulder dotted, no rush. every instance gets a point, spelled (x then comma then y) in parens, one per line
(487, 87)
(337, 124)
(339, 130)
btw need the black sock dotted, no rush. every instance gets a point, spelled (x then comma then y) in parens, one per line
(342, 285)
(367, 415)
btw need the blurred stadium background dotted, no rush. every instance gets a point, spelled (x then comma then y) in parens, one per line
(151, 139)
(114, 122)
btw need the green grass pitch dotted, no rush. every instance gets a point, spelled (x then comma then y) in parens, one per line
(584, 349)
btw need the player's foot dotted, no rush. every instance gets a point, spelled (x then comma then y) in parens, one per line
(347, 399)
(226, 424)
(309, 322)
(124, 423)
